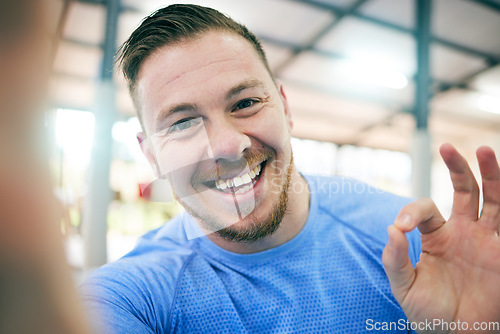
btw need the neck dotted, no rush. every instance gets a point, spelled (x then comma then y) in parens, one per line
(292, 223)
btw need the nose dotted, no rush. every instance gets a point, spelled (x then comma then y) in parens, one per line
(227, 141)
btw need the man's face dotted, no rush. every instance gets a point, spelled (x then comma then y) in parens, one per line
(219, 129)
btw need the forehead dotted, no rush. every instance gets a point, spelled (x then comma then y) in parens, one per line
(209, 64)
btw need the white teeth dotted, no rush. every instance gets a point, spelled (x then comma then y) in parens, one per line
(221, 185)
(240, 180)
(237, 181)
(246, 178)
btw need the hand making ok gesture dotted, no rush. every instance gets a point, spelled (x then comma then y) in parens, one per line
(457, 279)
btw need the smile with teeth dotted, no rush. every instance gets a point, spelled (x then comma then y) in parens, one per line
(247, 180)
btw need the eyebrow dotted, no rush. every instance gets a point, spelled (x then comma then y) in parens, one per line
(247, 84)
(183, 107)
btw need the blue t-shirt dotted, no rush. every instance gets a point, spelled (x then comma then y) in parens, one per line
(329, 278)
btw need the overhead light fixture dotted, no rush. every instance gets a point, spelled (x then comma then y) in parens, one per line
(375, 74)
(489, 103)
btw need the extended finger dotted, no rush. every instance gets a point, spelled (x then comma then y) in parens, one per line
(422, 213)
(490, 173)
(466, 190)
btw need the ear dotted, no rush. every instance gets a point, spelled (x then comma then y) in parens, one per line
(147, 150)
(286, 107)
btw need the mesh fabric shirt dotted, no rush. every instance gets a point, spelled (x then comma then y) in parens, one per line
(327, 279)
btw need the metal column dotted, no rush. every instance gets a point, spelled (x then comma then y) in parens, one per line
(99, 193)
(421, 146)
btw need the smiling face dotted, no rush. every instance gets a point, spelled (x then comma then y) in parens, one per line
(219, 129)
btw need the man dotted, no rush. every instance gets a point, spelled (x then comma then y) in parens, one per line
(277, 251)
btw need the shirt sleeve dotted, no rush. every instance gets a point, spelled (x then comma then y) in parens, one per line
(122, 299)
(108, 318)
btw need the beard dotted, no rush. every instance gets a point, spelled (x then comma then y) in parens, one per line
(250, 228)
(257, 229)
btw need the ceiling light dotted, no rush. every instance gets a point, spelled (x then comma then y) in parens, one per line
(489, 103)
(374, 74)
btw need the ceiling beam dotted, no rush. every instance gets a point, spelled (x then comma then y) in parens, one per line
(456, 46)
(488, 3)
(437, 85)
(340, 13)
(317, 37)
(488, 57)
(464, 82)
(291, 46)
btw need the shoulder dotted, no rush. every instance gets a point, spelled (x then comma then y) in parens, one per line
(358, 207)
(140, 286)
(344, 194)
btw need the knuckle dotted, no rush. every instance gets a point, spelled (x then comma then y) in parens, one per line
(427, 203)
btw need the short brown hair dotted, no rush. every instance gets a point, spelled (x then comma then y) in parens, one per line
(175, 24)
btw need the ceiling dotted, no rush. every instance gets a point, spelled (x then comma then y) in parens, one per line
(318, 48)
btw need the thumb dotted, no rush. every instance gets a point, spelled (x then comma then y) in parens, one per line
(397, 263)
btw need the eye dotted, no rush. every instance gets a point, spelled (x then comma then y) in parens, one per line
(184, 124)
(246, 103)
